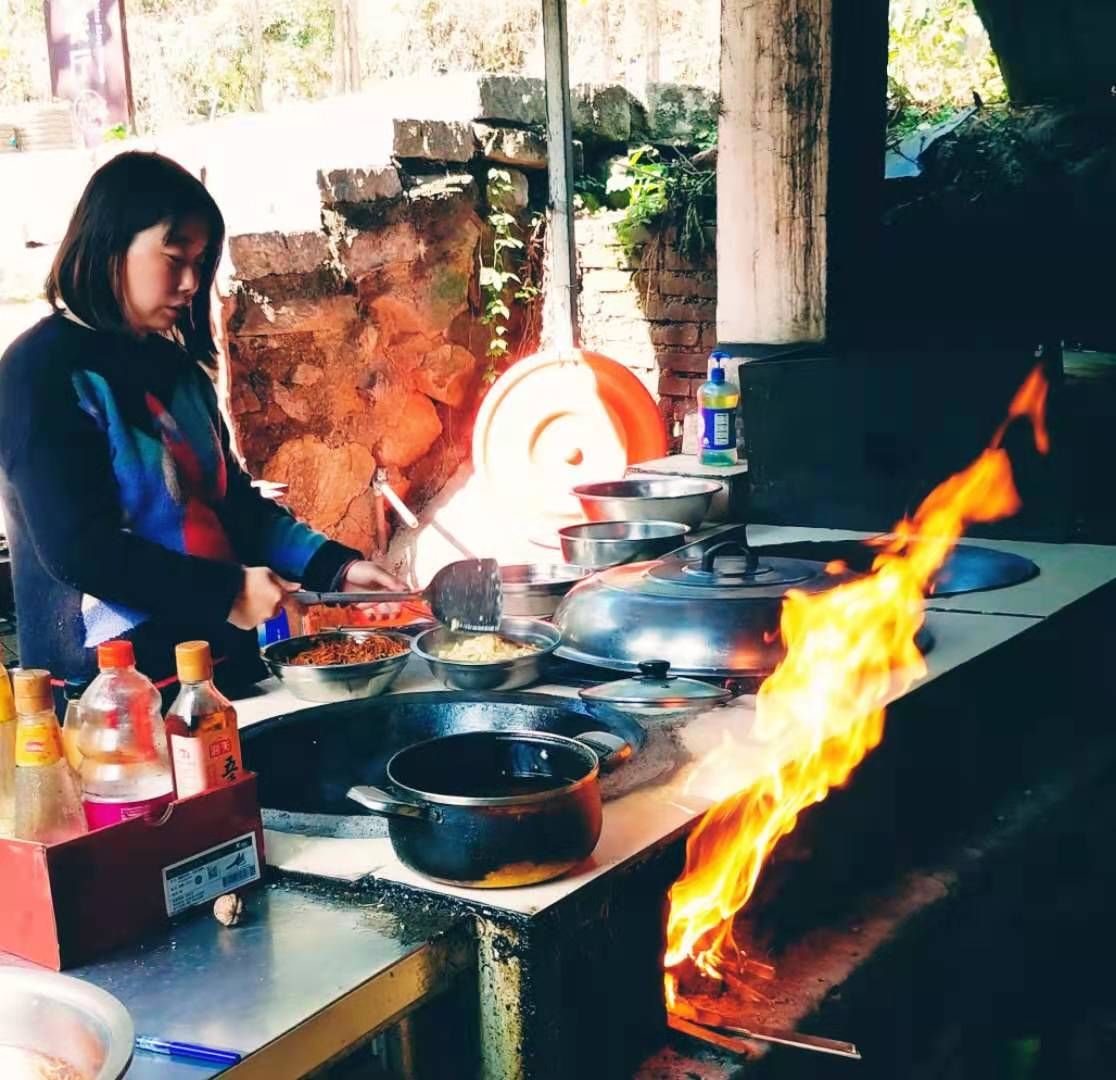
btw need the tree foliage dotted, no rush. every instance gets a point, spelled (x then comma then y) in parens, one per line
(939, 55)
(197, 59)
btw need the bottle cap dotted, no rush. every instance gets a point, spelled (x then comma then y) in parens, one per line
(717, 375)
(114, 654)
(194, 661)
(32, 690)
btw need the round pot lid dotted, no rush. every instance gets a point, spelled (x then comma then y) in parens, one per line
(655, 688)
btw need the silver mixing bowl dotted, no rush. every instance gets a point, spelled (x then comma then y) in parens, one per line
(335, 682)
(500, 674)
(536, 589)
(63, 1018)
(653, 498)
(600, 544)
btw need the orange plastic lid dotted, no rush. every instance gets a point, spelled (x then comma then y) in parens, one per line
(115, 654)
(558, 419)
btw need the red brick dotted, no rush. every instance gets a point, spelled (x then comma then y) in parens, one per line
(681, 283)
(690, 363)
(674, 386)
(709, 336)
(675, 334)
(662, 309)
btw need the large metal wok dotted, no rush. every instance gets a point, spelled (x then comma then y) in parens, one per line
(307, 761)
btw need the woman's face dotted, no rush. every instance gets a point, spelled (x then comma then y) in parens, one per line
(162, 271)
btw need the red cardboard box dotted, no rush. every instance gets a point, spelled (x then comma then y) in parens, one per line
(63, 904)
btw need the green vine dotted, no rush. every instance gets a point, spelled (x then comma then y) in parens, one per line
(512, 274)
(667, 188)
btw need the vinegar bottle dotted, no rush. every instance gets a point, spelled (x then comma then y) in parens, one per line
(205, 743)
(47, 800)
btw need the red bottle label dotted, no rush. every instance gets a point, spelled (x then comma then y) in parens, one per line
(100, 814)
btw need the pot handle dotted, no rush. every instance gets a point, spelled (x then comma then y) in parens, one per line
(694, 549)
(610, 749)
(380, 802)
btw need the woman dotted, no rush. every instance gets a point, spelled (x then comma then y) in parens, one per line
(127, 514)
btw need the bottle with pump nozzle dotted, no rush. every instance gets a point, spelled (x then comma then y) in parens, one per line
(125, 769)
(47, 800)
(201, 725)
(7, 755)
(718, 399)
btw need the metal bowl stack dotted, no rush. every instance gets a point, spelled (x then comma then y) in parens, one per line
(495, 675)
(652, 498)
(634, 520)
(335, 682)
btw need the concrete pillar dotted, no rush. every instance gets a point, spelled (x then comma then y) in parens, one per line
(800, 161)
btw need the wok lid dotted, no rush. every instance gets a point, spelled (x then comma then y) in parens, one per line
(711, 609)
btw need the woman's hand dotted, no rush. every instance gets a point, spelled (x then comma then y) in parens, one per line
(365, 576)
(260, 597)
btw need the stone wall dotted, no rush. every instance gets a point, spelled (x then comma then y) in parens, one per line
(650, 308)
(359, 345)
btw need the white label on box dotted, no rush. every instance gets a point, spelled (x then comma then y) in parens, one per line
(211, 873)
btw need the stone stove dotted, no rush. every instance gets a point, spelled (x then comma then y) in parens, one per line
(569, 970)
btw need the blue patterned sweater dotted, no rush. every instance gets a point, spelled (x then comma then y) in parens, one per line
(126, 513)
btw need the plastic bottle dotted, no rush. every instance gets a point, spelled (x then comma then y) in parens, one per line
(201, 725)
(72, 691)
(47, 799)
(717, 400)
(125, 770)
(7, 755)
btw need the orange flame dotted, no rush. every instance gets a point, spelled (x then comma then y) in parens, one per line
(850, 651)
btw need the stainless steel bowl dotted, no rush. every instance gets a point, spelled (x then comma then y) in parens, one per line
(653, 498)
(63, 1018)
(335, 682)
(600, 544)
(535, 589)
(500, 674)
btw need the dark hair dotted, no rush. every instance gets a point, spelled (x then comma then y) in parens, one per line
(126, 195)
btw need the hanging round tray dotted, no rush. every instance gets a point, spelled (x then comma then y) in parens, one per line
(558, 419)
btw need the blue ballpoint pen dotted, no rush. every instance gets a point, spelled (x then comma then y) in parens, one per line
(187, 1051)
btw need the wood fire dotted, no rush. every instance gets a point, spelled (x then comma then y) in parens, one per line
(850, 651)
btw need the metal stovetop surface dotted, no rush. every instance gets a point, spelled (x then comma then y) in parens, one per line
(301, 952)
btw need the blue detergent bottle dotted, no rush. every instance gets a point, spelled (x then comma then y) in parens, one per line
(717, 400)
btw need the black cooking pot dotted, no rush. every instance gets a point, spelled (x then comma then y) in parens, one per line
(494, 809)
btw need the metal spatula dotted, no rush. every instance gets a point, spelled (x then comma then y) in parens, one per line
(464, 595)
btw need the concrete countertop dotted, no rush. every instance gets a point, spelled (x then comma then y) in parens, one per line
(964, 628)
(311, 968)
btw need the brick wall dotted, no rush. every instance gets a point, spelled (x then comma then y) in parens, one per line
(651, 309)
